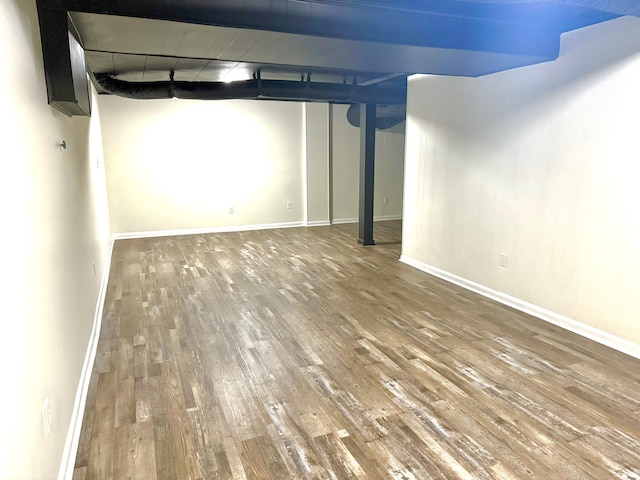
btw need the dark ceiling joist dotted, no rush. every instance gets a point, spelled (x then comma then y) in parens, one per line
(65, 73)
(345, 20)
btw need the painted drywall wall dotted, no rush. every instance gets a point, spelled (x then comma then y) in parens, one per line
(345, 169)
(181, 164)
(316, 172)
(539, 163)
(55, 225)
(345, 166)
(389, 173)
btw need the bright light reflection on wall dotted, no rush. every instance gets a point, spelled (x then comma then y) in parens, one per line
(186, 164)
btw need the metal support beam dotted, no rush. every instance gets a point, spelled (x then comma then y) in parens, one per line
(367, 168)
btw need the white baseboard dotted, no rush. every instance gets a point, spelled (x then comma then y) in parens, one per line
(384, 218)
(318, 223)
(194, 231)
(592, 333)
(70, 451)
(338, 221)
(381, 218)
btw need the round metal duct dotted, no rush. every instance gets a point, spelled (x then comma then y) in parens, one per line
(387, 116)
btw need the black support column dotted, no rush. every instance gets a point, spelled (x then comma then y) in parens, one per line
(367, 168)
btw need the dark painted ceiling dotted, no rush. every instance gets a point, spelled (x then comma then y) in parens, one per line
(356, 42)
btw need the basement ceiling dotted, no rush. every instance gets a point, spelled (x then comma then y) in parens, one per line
(139, 49)
(368, 43)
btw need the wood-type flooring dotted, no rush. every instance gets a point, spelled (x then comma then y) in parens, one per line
(298, 354)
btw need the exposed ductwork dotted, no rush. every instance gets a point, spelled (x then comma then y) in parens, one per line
(448, 37)
(253, 89)
(387, 116)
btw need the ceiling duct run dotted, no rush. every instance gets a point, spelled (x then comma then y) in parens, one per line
(259, 89)
(387, 116)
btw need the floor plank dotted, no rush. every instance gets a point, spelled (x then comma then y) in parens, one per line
(298, 354)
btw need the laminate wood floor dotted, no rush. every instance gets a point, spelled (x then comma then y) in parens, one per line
(298, 354)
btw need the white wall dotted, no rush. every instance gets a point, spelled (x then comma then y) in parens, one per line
(316, 175)
(345, 168)
(181, 164)
(389, 173)
(541, 163)
(55, 225)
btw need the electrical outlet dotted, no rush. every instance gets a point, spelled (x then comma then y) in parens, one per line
(386, 200)
(504, 260)
(46, 412)
(289, 205)
(231, 210)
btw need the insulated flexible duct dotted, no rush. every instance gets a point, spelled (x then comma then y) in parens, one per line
(255, 89)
